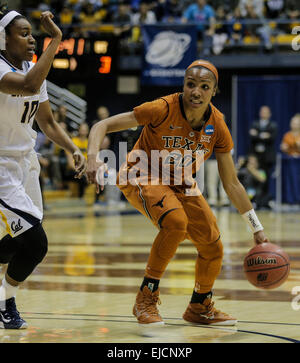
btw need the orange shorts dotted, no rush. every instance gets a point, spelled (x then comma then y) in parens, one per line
(154, 201)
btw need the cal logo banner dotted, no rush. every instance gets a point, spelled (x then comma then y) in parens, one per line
(168, 51)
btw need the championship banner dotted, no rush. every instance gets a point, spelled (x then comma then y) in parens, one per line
(168, 51)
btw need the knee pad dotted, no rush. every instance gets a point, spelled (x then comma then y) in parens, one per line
(173, 231)
(32, 250)
(211, 251)
(174, 219)
(35, 243)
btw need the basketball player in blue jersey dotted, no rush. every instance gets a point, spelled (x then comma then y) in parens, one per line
(23, 98)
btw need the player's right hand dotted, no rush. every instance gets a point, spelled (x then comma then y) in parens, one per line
(259, 237)
(95, 172)
(48, 24)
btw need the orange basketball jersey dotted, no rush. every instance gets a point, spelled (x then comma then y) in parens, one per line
(292, 143)
(167, 132)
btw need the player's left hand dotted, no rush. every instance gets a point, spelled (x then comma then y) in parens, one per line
(80, 163)
(48, 24)
(259, 237)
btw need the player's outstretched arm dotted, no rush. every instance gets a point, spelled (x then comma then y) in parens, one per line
(97, 134)
(43, 65)
(56, 134)
(29, 84)
(238, 195)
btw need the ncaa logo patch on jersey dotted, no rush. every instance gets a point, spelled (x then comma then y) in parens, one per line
(209, 130)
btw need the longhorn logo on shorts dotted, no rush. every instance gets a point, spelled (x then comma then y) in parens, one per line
(16, 227)
(159, 203)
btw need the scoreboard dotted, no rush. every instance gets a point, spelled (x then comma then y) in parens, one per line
(82, 58)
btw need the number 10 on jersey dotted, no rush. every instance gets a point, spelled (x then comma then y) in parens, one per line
(30, 109)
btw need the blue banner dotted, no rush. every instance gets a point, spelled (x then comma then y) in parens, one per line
(290, 167)
(168, 51)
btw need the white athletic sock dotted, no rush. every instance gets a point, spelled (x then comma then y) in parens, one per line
(7, 291)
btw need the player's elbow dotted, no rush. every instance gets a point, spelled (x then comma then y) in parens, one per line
(31, 85)
(30, 89)
(99, 127)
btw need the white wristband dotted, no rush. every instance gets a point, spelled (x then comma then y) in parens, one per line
(251, 218)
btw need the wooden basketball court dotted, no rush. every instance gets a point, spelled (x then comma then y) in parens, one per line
(85, 288)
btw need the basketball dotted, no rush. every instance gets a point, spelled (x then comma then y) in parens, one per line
(266, 266)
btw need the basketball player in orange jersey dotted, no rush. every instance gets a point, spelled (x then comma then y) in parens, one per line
(180, 122)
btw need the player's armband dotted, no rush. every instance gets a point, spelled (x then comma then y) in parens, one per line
(251, 218)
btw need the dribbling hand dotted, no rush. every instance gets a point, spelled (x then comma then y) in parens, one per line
(259, 237)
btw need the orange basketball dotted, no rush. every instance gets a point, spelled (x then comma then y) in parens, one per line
(266, 266)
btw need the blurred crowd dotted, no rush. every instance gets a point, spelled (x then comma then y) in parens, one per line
(218, 22)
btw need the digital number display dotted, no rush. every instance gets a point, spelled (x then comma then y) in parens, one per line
(80, 57)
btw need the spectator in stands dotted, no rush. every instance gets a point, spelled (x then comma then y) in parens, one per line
(111, 195)
(221, 31)
(89, 18)
(102, 112)
(228, 5)
(254, 6)
(81, 141)
(40, 137)
(66, 19)
(60, 114)
(204, 16)
(254, 179)
(290, 143)
(143, 16)
(236, 28)
(217, 196)
(293, 14)
(262, 137)
(50, 174)
(45, 153)
(169, 11)
(253, 10)
(275, 9)
(293, 7)
(122, 21)
(80, 4)
(134, 4)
